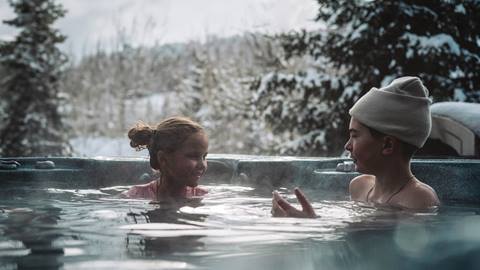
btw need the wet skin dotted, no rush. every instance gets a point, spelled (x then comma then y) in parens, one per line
(186, 165)
(386, 176)
(365, 150)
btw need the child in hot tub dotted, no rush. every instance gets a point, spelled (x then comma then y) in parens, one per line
(387, 126)
(178, 148)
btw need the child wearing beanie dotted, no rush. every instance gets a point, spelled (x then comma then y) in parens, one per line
(387, 126)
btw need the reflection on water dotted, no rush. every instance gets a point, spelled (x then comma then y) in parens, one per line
(163, 230)
(28, 235)
(231, 228)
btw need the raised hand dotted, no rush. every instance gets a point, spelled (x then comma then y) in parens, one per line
(282, 208)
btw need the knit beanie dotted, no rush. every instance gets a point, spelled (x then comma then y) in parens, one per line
(400, 109)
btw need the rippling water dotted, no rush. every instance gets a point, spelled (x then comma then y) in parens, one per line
(231, 228)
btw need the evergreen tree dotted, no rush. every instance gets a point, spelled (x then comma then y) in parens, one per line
(199, 84)
(208, 97)
(33, 122)
(365, 44)
(216, 93)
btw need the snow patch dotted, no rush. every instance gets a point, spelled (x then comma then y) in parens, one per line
(460, 9)
(426, 44)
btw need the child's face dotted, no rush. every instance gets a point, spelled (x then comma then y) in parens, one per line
(365, 150)
(188, 163)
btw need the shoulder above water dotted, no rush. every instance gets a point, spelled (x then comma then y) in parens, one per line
(415, 196)
(360, 185)
(418, 196)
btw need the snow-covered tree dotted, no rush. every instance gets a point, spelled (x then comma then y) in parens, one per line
(211, 95)
(199, 84)
(207, 81)
(32, 65)
(365, 44)
(105, 86)
(216, 93)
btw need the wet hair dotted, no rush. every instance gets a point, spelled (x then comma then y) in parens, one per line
(167, 136)
(408, 150)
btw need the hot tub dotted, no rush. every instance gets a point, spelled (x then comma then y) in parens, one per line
(63, 213)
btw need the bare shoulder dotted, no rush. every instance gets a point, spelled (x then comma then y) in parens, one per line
(141, 191)
(421, 196)
(360, 185)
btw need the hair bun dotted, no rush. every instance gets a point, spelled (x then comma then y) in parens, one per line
(140, 136)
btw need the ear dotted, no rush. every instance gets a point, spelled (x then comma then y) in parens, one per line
(389, 145)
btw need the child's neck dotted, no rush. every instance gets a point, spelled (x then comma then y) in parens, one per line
(391, 177)
(167, 188)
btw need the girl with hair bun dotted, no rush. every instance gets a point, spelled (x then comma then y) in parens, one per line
(178, 148)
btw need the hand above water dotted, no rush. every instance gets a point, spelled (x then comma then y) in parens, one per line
(281, 208)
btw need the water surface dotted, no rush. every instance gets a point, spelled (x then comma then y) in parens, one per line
(231, 228)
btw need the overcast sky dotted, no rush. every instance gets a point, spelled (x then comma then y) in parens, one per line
(89, 22)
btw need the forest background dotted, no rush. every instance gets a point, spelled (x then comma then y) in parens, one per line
(282, 94)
